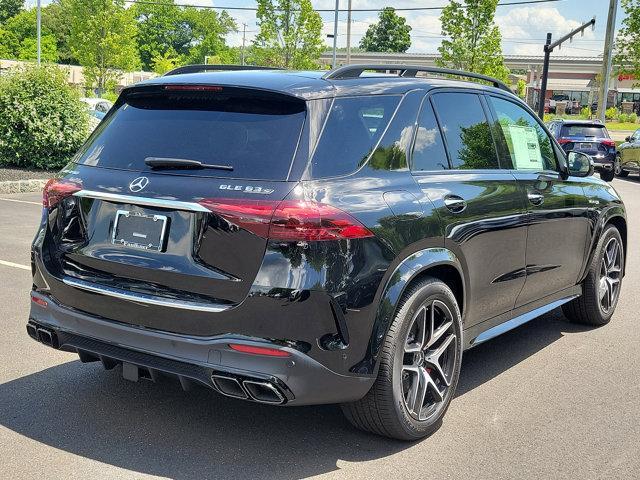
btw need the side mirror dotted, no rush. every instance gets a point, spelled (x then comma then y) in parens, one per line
(627, 139)
(580, 164)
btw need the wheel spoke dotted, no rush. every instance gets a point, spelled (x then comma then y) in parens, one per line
(421, 320)
(433, 358)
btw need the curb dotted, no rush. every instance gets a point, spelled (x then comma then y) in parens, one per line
(22, 186)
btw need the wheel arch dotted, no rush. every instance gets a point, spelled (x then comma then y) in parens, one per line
(614, 215)
(439, 263)
(620, 223)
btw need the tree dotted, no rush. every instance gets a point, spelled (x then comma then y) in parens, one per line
(473, 39)
(290, 34)
(9, 8)
(208, 31)
(627, 46)
(28, 49)
(390, 34)
(103, 39)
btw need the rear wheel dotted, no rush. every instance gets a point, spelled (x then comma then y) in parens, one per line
(601, 288)
(419, 366)
(607, 175)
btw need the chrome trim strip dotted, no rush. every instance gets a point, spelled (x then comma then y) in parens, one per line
(519, 320)
(149, 202)
(142, 298)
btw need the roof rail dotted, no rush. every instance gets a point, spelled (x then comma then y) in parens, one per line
(354, 71)
(214, 68)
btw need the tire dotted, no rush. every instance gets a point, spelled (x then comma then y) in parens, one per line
(385, 409)
(618, 169)
(590, 307)
(607, 175)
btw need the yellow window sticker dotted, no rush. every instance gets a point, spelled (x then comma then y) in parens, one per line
(526, 148)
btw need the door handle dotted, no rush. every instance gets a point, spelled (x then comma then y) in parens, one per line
(455, 203)
(535, 198)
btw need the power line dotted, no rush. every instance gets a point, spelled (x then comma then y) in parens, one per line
(331, 10)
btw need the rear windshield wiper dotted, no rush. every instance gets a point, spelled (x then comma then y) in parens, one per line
(161, 162)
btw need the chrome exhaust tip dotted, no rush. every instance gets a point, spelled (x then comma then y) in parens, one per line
(263, 392)
(229, 386)
(32, 330)
(47, 337)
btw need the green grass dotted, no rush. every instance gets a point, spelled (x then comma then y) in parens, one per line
(622, 126)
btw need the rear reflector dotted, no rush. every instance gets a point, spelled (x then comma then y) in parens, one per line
(270, 352)
(39, 301)
(289, 220)
(56, 190)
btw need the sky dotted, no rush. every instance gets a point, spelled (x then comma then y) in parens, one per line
(523, 28)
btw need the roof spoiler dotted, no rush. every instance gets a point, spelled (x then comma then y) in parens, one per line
(214, 68)
(355, 71)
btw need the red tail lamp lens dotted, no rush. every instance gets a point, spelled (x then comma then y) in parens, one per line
(57, 190)
(562, 141)
(609, 143)
(289, 220)
(39, 301)
(269, 352)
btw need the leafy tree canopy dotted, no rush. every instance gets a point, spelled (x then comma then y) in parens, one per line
(627, 46)
(290, 34)
(473, 39)
(390, 34)
(9, 8)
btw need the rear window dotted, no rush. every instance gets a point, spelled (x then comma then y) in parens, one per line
(354, 126)
(253, 132)
(598, 131)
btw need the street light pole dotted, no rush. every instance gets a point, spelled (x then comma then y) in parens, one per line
(607, 59)
(349, 33)
(38, 28)
(244, 34)
(335, 34)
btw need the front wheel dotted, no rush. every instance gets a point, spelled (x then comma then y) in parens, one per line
(601, 287)
(607, 175)
(618, 167)
(419, 366)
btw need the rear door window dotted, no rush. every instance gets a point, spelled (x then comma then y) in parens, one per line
(466, 131)
(428, 149)
(352, 130)
(253, 133)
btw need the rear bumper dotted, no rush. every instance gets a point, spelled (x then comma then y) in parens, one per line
(145, 353)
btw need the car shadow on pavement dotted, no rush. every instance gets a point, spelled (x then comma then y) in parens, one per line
(161, 430)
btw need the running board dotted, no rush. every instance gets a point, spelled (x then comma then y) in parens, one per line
(519, 320)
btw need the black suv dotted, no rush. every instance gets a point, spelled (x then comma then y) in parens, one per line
(299, 238)
(590, 137)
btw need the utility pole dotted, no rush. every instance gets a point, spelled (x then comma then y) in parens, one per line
(548, 48)
(349, 33)
(335, 35)
(244, 35)
(39, 29)
(607, 58)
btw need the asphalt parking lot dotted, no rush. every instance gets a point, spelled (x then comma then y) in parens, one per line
(548, 400)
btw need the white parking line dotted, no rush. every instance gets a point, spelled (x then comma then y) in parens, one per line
(21, 201)
(14, 265)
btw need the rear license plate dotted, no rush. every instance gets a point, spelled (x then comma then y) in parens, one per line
(138, 230)
(584, 145)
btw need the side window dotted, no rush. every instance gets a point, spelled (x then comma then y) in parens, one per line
(428, 149)
(636, 135)
(353, 128)
(466, 131)
(525, 143)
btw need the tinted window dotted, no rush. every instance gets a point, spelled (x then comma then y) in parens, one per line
(254, 133)
(466, 131)
(598, 131)
(525, 143)
(428, 150)
(353, 128)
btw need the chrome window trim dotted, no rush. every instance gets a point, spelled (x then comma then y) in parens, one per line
(146, 201)
(143, 298)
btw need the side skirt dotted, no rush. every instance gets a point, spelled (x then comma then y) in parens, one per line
(489, 329)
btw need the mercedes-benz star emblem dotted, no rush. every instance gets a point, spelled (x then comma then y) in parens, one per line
(138, 184)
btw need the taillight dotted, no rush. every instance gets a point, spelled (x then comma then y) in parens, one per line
(269, 352)
(562, 141)
(194, 88)
(608, 143)
(38, 301)
(56, 190)
(289, 220)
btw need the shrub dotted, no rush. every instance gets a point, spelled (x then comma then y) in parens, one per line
(42, 121)
(623, 118)
(611, 113)
(633, 118)
(585, 112)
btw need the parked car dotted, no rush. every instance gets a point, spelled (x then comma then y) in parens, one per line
(590, 137)
(297, 238)
(98, 104)
(628, 157)
(558, 98)
(95, 117)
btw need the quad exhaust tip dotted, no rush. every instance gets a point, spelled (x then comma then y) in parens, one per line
(43, 335)
(258, 391)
